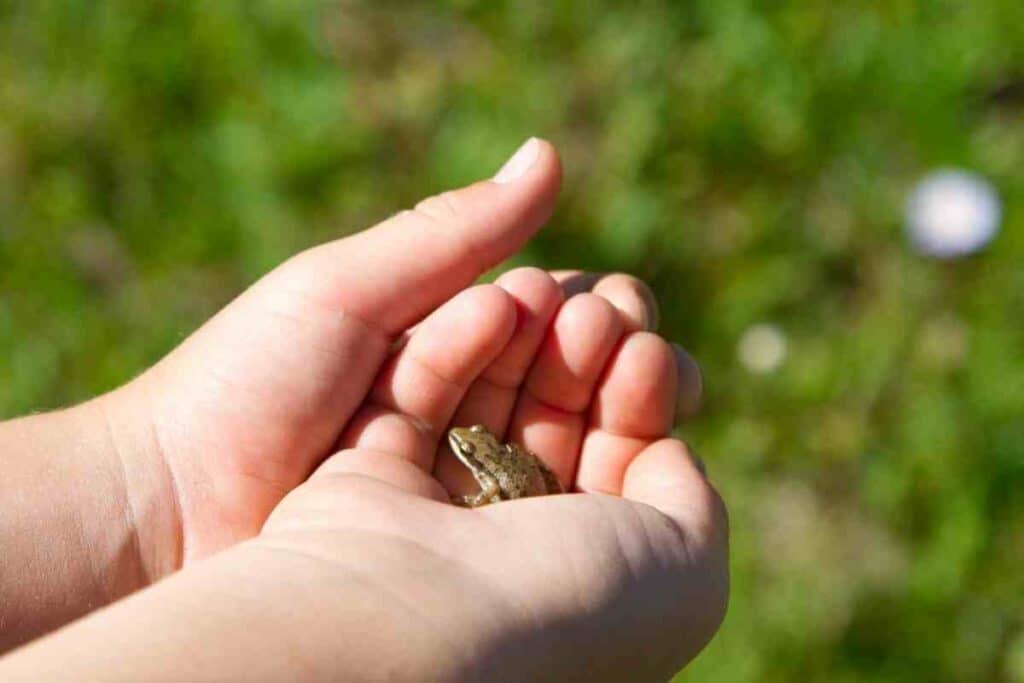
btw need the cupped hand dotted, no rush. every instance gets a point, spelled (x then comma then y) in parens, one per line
(370, 348)
(626, 581)
(252, 402)
(247, 407)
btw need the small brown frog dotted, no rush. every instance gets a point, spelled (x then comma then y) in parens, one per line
(504, 470)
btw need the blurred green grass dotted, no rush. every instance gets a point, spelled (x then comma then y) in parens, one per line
(749, 159)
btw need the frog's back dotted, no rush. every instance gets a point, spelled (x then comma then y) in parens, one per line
(531, 478)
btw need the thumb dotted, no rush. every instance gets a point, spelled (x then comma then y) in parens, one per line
(266, 386)
(393, 274)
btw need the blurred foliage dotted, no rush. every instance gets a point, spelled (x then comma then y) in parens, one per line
(748, 158)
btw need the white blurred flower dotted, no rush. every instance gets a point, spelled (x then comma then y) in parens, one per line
(762, 348)
(952, 213)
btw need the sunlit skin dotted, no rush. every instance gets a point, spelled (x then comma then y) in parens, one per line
(350, 362)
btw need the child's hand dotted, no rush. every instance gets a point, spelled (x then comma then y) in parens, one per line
(366, 571)
(192, 456)
(630, 581)
(246, 408)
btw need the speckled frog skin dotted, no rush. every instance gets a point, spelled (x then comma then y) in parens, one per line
(505, 471)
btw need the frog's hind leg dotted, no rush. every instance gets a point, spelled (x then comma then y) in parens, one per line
(490, 492)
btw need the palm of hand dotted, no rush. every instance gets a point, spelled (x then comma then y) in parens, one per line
(553, 588)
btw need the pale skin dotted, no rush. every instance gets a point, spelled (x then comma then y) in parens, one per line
(349, 362)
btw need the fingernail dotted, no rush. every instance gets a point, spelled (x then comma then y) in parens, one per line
(519, 163)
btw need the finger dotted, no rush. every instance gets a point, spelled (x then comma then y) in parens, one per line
(488, 403)
(665, 476)
(637, 394)
(691, 384)
(633, 406)
(550, 414)
(639, 308)
(491, 398)
(629, 295)
(395, 273)
(537, 298)
(414, 397)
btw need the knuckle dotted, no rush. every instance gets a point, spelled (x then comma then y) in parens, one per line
(440, 207)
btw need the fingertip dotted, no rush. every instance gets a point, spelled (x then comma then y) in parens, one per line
(691, 384)
(534, 167)
(632, 297)
(539, 186)
(483, 309)
(419, 389)
(583, 335)
(548, 167)
(532, 286)
(588, 311)
(491, 296)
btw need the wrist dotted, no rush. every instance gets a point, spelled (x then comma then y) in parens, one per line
(84, 516)
(145, 483)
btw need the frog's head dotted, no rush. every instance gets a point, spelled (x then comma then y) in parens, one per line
(470, 443)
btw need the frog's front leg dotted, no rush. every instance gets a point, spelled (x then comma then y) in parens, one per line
(490, 492)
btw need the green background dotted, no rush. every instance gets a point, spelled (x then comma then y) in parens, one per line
(748, 159)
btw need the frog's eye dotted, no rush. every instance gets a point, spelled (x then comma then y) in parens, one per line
(478, 429)
(467, 448)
